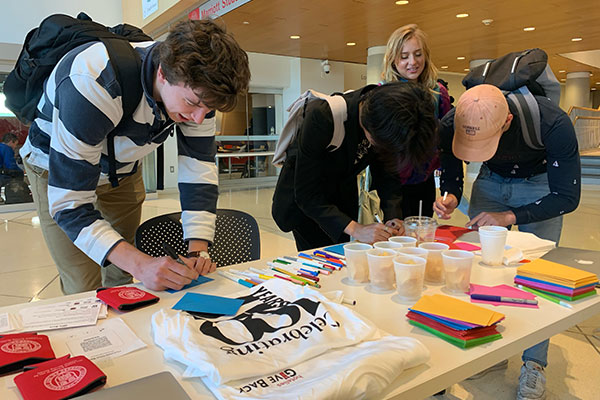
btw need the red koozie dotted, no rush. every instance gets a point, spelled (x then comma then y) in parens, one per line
(58, 379)
(125, 298)
(19, 350)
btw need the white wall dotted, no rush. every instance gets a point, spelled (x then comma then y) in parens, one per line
(313, 77)
(20, 16)
(355, 76)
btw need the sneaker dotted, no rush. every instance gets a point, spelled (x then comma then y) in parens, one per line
(496, 367)
(532, 382)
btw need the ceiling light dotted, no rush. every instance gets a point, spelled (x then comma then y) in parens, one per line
(463, 15)
(402, 2)
(597, 83)
(246, 23)
(529, 29)
(444, 67)
(562, 79)
(576, 39)
(460, 58)
(295, 37)
(562, 71)
(593, 88)
(466, 69)
(350, 44)
(487, 21)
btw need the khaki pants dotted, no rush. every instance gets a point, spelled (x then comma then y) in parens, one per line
(120, 206)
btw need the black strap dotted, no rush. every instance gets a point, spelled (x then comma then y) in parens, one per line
(127, 66)
(529, 116)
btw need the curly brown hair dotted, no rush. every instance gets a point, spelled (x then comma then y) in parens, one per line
(204, 57)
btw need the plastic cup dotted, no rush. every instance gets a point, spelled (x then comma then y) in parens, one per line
(413, 252)
(356, 261)
(434, 270)
(381, 269)
(457, 267)
(387, 245)
(421, 228)
(406, 241)
(493, 240)
(410, 272)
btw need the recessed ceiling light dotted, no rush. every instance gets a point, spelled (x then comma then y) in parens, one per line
(444, 67)
(402, 2)
(562, 79)
(593, 88)
(576, 39)
(350, 44)
(591, 74)
(562, 71)
(295, 37)
(466, 69)
(463, 15)
(460, 58)
(529, 29)
(597, 83)
(246, 23)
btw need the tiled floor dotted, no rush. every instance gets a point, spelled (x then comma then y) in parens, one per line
(27, 273)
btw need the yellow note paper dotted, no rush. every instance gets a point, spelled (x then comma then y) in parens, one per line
(450, 307)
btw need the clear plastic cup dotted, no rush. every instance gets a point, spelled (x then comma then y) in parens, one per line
(493, 240)
(410, 272)
(381, 269)
(356, 262)
(434, 270)
(457, 267)
(413, 252)
(421, 228)
(406, 241)
(387, 245)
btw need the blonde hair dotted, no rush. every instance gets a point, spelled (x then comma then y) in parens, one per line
(394, 48)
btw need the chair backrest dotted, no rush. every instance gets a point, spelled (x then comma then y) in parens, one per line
(237, 238)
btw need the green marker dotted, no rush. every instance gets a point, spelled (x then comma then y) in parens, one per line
(545, 296)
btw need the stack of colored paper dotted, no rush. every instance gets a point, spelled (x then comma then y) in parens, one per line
(460, 323)
(557, 280)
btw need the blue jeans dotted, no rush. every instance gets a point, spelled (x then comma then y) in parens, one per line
(492, 192)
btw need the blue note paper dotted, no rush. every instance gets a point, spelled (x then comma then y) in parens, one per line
(337, 249)
(205, 303)
(201, 279)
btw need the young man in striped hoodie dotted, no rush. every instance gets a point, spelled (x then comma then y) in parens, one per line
(88, 224)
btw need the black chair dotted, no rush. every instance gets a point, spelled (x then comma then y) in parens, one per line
(237, 238)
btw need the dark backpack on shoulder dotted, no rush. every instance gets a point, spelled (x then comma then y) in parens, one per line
(521, 76)
(45, 45)
(57, 35)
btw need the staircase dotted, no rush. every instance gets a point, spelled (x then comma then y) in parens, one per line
(590, 170)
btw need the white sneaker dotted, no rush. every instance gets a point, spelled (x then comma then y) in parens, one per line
(532, 382)
(496, 367)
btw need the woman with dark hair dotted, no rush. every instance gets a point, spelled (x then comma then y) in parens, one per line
(407, 58)
(317, 195)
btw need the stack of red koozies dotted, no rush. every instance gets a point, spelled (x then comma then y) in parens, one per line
(46, 377)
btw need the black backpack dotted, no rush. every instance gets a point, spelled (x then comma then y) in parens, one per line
(521, 76)
(58, 34)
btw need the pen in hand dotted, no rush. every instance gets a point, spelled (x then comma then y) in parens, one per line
(171, 253)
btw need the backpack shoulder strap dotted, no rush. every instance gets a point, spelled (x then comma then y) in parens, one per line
(529, 116)
(339, 110)
(127, 66)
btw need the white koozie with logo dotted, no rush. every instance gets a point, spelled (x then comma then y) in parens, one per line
(279, 326)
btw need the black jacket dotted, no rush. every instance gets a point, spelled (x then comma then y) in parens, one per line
(319, 184)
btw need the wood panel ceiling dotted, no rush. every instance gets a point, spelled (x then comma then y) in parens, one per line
(326, 26)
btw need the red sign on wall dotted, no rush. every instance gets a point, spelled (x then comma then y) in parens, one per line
(216, 8)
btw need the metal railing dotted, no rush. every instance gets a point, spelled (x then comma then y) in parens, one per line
(587, 126)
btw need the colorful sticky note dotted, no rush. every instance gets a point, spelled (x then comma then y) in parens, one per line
(337, 249)
(450, 307)
(204, 303)
(201, 279)
(503, 291)
(556, 273)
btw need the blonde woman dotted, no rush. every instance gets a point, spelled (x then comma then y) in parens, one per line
(407, 58)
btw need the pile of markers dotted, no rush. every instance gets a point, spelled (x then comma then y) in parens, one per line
(304, 269)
